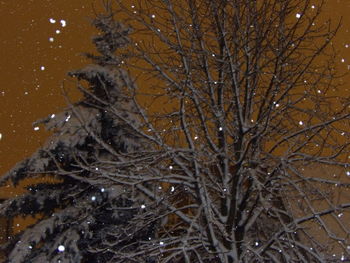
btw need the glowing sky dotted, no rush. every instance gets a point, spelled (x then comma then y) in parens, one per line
(41, 41)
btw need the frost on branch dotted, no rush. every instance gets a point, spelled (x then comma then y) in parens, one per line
(224, 170)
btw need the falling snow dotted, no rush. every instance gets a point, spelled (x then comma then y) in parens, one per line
(63, 23)
(61, 248)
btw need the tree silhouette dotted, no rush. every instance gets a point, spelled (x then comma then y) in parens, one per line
(233, 149)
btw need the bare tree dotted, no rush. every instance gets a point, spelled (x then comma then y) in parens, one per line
(245, 162)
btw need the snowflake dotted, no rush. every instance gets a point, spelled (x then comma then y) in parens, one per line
(63, 23)
(61, 248)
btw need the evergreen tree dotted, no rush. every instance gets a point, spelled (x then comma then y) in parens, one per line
(82, 213)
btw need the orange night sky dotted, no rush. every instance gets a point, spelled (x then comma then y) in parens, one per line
(41, 41)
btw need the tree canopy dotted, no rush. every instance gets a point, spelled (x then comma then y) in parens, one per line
(208, 131)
